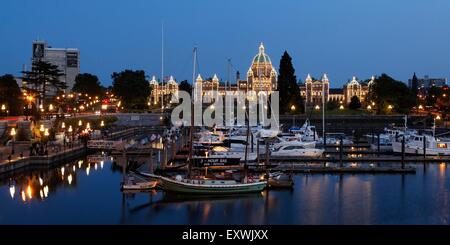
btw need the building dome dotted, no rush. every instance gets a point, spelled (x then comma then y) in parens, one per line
(261, 64)
(261, 57)
(153, 82)
(261, 75)
(172, 81)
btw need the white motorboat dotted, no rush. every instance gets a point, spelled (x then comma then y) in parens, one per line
(293, 140)
(297, 151)
(415, 145)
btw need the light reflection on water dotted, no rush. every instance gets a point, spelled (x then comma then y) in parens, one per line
(85, 192)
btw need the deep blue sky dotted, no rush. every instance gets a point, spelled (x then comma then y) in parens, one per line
(342, 38)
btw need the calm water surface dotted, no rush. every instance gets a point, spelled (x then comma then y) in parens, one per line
(82, 193)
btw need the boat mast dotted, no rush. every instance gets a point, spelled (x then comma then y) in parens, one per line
(162, 66)
(323, 110)
(191, 128)
(406, 122)
(247, 140)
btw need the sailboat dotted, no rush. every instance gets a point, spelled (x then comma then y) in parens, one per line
(201, 184)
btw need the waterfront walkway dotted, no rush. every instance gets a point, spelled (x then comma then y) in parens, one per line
(56, 153)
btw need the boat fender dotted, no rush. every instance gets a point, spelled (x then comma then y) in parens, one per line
(178, 178)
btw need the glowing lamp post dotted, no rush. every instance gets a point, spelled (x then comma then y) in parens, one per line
(293, 115)
(13, 135)
(63, 127)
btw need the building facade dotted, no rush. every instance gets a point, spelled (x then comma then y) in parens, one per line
(67, 60)
(161, 91)
(312, 90)
(426, 82)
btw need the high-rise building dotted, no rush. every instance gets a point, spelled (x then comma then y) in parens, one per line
(426, 82)
(67, 60)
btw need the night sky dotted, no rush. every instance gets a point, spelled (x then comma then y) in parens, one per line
(341, 38)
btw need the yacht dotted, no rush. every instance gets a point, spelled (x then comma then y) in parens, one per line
(297, 150)
(293, 140)
(415, 145)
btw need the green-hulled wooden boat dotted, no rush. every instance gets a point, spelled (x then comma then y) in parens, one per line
(210, 187)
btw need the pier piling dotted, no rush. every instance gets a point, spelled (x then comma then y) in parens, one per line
(341, 149)
(378, 144)
(403, 152)
(424, 147)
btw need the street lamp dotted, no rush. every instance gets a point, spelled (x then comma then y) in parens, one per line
(63, 126)
(102, 123)
(3, 109)
(80, 123)
(13, 134)
(42, 129)
(293, 115)
(317, 107)
(369, 107)
(341, 107)
(70, 130)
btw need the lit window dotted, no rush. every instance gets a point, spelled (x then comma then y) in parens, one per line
(441, 145)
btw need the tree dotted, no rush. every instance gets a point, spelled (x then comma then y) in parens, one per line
(354, 103)
(44, 77)
(332, 105)
(288, 87)
(186, 86)
(389, 93)
(87, 84)
(132, 88)
(10, 95)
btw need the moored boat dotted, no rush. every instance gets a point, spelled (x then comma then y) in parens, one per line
(210, 186)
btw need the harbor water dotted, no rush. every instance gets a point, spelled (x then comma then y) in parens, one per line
(80, 192)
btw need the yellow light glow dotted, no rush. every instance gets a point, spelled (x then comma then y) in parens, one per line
(29, 192)
(13, 132)
(293, 108)
(69, 179)
(12, 191)
(317, 107)
(341, 107)
(24, 197)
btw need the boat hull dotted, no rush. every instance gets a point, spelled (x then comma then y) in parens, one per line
(219, 189)
(417, 150)
(140, 186)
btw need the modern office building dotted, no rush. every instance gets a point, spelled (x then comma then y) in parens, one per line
(67, 60)
(426, 82)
